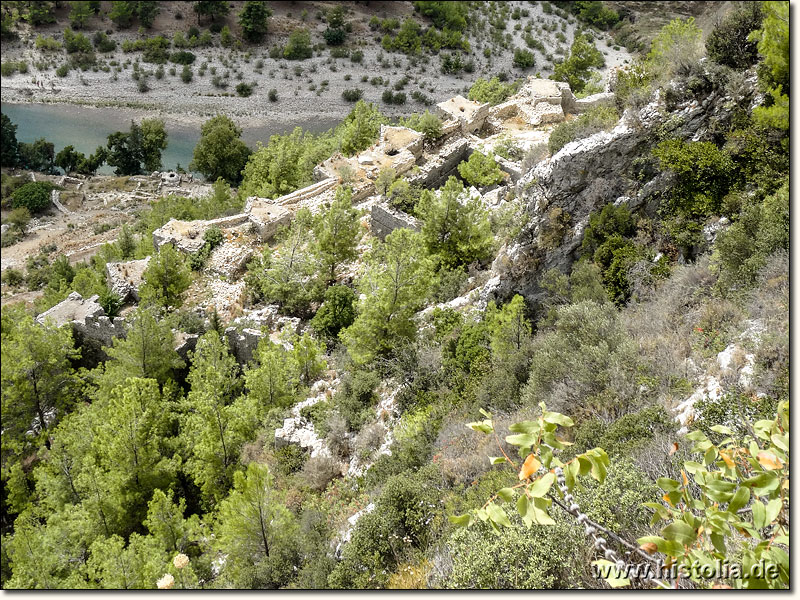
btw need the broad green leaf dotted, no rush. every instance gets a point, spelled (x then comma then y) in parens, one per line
(541, 486)
(781, 441)
(570, 473)
(498, 515)
(531, 427)
(483, 426)
(740, 499)
(460, 520)
(722, 429)
(682, 533)
(719, 542)
(540, 507)
(668, 547)
(719, 491)
(496, 460)
(484, 413)
(522, 509)
(667, 484)
(773, 509)
(522, 440)
(763, 484)
(759, 514)
(557, 418)
(507, 494)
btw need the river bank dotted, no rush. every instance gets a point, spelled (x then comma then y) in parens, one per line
(306, 91)
(85, 127)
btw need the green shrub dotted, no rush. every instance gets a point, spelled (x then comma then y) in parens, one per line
(48, 43)
(273, 95)
(542, 557)
(186, 74)
(733, 410)
(399, 525)
(481, 170)
(13, 277)
(299, 45)
(103, 43)
(611, 220)
(742, 250)
(703, 174)
(355, 399)
(493, 91)
(588, 363)
(182, 57)
(596, 13)
(34, 196)
(575, 68)
(599, 118)
(245, 89)
(428, 124)
(625, 435)
(523, 59)
(352, 95)
(728, 44)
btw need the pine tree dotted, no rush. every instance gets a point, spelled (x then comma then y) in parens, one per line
(308, 357)
(458, 233)
(256, 531)
(253, 20)
(269, 381)
(38, 380)
(337, 231)
(147, 351)
(166, 278)
(215, 423)
(396, 284)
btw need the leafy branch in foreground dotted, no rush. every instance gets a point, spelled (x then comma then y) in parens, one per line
(732, 503)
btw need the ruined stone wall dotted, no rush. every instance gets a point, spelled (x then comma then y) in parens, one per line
(125, 278)
(384, 220)
(435, 172)
(243, 343)
(307, 192)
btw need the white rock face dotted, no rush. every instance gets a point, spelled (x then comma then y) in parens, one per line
(733, 363)
(298, 430)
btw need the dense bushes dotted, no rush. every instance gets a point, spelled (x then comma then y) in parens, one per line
(182, 57)
(299, 45)
(742, 250)
(728, 43)
(523, 59)
(586, 364)
(481, 170)
(458, 233)
(399, 525)
(575, 68)
(34, 196)
(427, 124)
(703, 177)
(493, 91)
(352, 95)
(543, 557)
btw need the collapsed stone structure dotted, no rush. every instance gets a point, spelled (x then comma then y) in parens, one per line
(94, 330)
(86, 317)
(467, 126)
(385, 219)
(125, 278)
